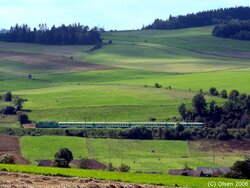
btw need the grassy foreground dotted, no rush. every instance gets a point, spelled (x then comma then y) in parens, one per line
(157, 179)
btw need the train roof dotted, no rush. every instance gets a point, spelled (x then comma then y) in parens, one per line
(122, 122)
(198, 123)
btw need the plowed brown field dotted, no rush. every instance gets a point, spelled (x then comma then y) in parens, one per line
(10, 145)
(46, 61)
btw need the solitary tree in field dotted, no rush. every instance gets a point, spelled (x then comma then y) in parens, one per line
(63, 158)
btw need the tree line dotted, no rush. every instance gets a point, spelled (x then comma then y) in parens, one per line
(71, 35)
(234, 113)
(234, 29)
(204, 18)
(163, 133)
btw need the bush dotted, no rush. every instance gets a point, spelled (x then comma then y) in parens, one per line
(180, 128)
(98, 45)
(9, 110)
(213, 91)
(223, 94)
(152, 119)
(240, 170)
(8, 96)
(157, 85)
(233, 95)
(19, 104)
(7, 159)
(110, 167)
(124, 168)
(23, 119)
(243, 96)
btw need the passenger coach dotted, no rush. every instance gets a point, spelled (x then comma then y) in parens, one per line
(53, 124)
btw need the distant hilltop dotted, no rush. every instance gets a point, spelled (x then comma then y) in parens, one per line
(204, 18)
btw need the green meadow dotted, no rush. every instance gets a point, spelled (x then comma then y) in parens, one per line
(140, 155)
(187, 60)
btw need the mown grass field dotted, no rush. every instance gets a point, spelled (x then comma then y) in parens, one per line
(180, 181)
(140, 155)
(184, 59)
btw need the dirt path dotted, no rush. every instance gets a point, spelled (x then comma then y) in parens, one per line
(19, 180)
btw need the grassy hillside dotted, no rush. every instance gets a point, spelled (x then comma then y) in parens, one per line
(115, 83)
(140, 155)
(181, 51)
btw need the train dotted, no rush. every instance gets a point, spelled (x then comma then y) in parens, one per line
(54, 124)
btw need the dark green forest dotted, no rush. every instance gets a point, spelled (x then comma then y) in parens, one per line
(204, 18)
(234, 29)
(71, 34)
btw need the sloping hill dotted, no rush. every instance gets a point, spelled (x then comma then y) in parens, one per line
(185, 60)
(178, 51)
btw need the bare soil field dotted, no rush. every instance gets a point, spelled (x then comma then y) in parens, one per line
(10, 145)
(50, 61)
(231, 146)
(20, 180)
